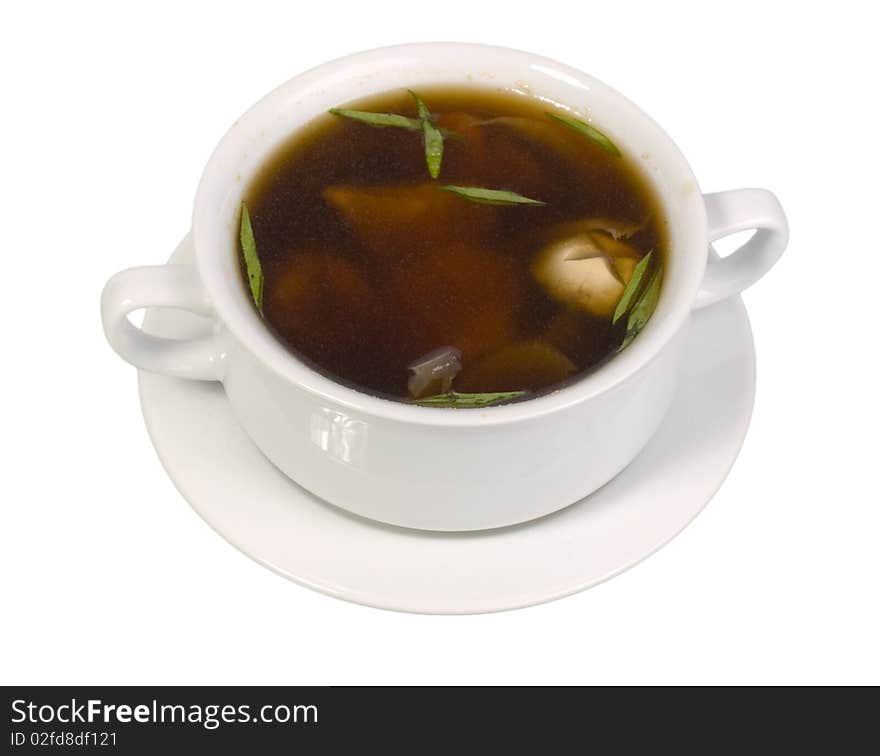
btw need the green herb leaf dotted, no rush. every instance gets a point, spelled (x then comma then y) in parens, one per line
(454, 399)
(588, 131)
(433, 137)
(632, 287)
(491, 196)
(379, 120)
(251, 260)
(643, 308)
(384, 120)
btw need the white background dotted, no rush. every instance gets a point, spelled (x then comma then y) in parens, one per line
(109, 114)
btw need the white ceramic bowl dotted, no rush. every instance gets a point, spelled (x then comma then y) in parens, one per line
(420, 467)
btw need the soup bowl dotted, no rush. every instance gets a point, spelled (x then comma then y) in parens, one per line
(426, 467)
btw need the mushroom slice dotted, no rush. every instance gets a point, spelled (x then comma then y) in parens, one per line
(491, 156)
(321, 303)
(524, 365)
(434, 372)
(587, 270)
(396, 222)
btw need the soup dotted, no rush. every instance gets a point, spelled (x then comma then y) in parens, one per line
(455, 247)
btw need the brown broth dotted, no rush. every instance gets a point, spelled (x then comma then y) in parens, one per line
(368, 265)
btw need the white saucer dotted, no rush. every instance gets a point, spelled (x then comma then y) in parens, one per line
(271, 519)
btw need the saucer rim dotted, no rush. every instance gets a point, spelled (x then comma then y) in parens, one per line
(412, 606)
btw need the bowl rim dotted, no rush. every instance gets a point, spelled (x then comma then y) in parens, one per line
(254, 136)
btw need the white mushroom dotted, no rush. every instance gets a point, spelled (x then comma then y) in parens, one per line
(434, 372)
(587, 269)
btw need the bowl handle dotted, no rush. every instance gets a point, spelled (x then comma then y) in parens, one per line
(741, 210)
(174, 285)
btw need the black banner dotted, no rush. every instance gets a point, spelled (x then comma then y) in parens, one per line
(278, 719)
